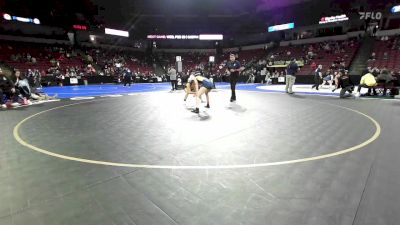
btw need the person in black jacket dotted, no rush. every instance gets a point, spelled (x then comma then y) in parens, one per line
(346, 85)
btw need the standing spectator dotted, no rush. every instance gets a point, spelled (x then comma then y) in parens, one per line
(233, 66)
(291, 71)
(127, 76)
(263, 74)
(317, 77)
(173, 78)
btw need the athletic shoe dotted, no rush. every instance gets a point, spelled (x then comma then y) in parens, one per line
(357, 95)
(15, 104)
(196, 110)
(290, 93)
(3, 106)
(207, 106)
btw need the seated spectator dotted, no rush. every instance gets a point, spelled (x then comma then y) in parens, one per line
(333, 66)
(327, 48)
(22, 83)
(8, 92)
(313, 66)
(37, 79)
(385, 56)
(272, 58)
(310, 55)
(373, 56)
(386, 78)
(375, 71)
(328, 78)
(342, 66)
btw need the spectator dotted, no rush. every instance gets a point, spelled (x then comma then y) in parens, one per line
(291, 72)
(127, 75)
(385, 56)
(263, 74)
(328, 79)
(173, 78)
(22, 83)
(313, 66)
(373, 56)
(8, 92)
(386, 78)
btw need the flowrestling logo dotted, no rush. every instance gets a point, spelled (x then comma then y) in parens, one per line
(370, 15)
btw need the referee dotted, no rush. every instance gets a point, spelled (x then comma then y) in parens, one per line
(233, 69)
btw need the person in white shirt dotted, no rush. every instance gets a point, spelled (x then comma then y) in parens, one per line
(173, 78)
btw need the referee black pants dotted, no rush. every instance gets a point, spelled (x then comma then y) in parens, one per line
(317, 82)
(233, 80)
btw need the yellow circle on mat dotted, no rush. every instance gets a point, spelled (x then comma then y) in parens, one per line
(194, 167)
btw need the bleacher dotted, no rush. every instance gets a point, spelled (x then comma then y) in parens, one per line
(391, 48)
(15, 55)
(344, 50)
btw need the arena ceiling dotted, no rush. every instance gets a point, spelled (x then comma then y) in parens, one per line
(143, 17)
(206, 16)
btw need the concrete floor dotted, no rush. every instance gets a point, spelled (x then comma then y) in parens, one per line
(232, 164)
